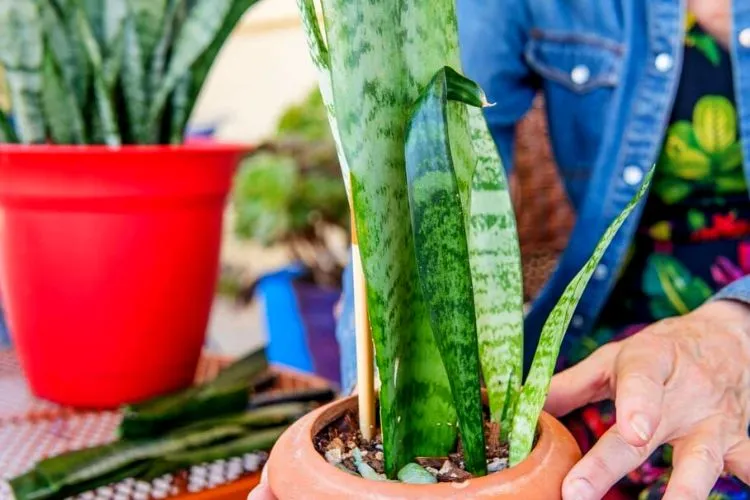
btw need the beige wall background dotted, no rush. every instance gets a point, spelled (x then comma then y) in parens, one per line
(263, 68)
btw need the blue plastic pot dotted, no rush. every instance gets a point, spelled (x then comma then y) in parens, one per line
(300, 323)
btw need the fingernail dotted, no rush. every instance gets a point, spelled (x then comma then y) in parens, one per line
(641, 426)
(579, 489)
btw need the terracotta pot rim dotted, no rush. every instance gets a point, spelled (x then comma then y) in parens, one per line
(301, 453)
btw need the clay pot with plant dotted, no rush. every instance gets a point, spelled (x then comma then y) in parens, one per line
(112, 226)
(439, 251)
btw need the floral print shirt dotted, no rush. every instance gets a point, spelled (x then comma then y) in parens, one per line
(693, 239)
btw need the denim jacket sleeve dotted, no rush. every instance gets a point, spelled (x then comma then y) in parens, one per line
(738, 290)
(493, 35)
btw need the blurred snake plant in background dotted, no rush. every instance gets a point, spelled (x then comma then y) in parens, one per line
(108, 71)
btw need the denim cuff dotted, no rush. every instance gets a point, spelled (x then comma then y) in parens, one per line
(738, 290)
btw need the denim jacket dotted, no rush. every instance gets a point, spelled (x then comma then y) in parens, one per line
(609, 71)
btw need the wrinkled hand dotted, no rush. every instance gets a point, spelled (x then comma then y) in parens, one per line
(683, 381)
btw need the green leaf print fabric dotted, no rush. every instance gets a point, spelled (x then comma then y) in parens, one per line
(693, 239)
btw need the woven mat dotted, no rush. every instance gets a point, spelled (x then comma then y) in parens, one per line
(32, 429)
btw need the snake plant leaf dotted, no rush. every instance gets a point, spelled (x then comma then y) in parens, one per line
(67, 47)
(443, 254)
(161, 51)
(180, 113)
(60, 106)
(226, 394)
(379, 64)
(319, 55)
(105, 107)
(200, 29)
(112, 64)
(259, 440)
(133, 79)
(21, 53)
(90, 464)
(715, 123)
(534, 392)
(7, 133)
(495, 258)
(149, 21)
(33, 486)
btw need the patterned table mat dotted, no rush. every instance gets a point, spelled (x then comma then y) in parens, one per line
(32, 429)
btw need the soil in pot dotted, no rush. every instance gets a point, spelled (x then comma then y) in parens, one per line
(341, 440)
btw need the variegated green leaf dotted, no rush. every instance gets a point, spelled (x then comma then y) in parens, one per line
(134, 84)
(319, 56)
(21, 53)
(60, 106)
(7, 134)
(534, 392)
(379, 66)
(114, 60)
(105, 118)
(180, 98)
(114, 15)
(67, 47)
(161, 51)
(203, 24)
(149, 21)
(443, 254)
(495, 258)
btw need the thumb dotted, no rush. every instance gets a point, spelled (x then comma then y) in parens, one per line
(262, 491)
(587, 382)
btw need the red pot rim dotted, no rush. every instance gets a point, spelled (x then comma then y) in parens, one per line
(56, 149)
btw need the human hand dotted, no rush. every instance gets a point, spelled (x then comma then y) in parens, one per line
(262, 491)
(714, 16)
(683, 381)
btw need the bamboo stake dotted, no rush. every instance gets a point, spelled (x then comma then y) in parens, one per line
(365, 368)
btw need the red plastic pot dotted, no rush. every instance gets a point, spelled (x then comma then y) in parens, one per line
(108, 265)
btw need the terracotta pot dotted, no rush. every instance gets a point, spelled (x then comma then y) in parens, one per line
(297, 471)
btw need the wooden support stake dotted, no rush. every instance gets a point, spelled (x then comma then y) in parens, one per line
(365, 368)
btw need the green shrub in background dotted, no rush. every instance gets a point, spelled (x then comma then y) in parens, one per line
(289, 191)
(108, 71)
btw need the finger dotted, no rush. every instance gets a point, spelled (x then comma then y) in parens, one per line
(261, 492)
(587, 382)
(611, 459)
(641, 372)
(605, 464)
(737, 461)
(697, 464)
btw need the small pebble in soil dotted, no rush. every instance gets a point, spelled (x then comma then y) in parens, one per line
(497, 464)
(415, 474)
(333, 456)
(342, 445)
(450, 472)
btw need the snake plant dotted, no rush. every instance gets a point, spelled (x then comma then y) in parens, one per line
(108, 71)
(436, 230)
